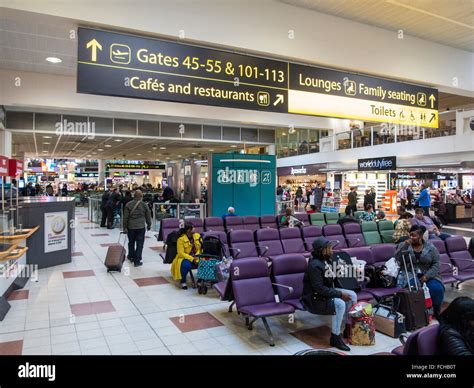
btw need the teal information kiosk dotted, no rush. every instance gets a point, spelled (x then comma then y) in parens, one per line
(245, 182)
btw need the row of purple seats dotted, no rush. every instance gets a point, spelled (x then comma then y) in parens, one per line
(457, 264)
(218, 224)
(422, 342)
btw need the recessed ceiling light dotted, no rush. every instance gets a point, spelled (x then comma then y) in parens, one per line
(94, 153)
(233, 146)
(45, 142)
(100, 149)
(167, 158)
(139, 154)
(47, 137)
(45, 152)
(54, 60)
(179, 156)
(148, 151)
(89, 156)
(193, 153)
(162, 148)
(118, 140)
(211, 150)
(108, 145)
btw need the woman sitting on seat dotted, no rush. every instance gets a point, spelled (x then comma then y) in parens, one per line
(456, 332)
(402, 228)
(188, 246)
(369, 214)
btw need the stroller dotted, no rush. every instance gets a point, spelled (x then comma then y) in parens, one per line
(211, 256)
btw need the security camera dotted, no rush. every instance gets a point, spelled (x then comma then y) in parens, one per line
(471, 123)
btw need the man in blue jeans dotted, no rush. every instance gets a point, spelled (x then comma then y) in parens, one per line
(433, 232)
(135, 215)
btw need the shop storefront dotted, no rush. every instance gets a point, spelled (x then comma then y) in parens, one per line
(131, 173)
(306, 176)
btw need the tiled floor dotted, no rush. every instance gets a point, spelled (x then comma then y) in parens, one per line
(79, 308)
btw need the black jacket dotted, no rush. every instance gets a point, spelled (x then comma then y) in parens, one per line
(452, 343)
(315, 281)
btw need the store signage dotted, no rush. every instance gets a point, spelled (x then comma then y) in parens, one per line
(3, 166)
(133, 166)
(123, 65)
(15, 167)
(295, 171)
(406, 176)
(55, 232)
(374, 164)
(86, 174)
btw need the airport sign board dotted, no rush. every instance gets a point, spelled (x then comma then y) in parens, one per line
(117, 64)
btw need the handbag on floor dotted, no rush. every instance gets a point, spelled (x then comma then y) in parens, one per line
(388, 321)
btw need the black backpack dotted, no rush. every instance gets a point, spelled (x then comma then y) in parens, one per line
(377, 279)
(349, 280)
(171, 247)
(212, 246)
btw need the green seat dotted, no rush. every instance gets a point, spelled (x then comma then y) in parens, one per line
(386, 231)
(331, 218)
(317, 219)
(371, 233)
(358, 214)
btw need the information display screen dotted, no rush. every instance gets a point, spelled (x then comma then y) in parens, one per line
(125, 65)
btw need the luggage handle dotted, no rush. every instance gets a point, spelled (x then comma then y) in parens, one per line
(413, 271)
(120, 235)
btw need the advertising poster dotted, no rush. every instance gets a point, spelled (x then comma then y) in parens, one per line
(55, 232)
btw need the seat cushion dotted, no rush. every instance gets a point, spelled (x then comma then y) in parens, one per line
(268, 309)
(383, 292)
(463, 276)
(295, 303)
(398, 351)
(447, 279)
(220, 288)
(364, 295)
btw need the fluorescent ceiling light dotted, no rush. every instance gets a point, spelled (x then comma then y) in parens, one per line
(118, 140)
(100, 149)
(54, 60)
(46, 142)
(162, 148)
(47, 137)
(108, 145)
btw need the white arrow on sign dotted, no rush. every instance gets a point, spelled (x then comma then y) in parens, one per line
(280, 99)
(432, 100)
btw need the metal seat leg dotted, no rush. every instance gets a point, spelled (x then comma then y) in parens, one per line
(269, 332)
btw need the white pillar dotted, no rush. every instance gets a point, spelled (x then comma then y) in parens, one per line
(271, 149)
(101, 171)
(6, 143)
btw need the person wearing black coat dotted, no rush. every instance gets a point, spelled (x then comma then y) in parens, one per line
(103, 208)
(456, 332)
(320, 296)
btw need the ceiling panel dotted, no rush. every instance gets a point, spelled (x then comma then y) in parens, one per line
(449, 22)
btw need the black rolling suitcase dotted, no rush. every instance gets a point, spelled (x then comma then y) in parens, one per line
(346, 272)
(411, 302)
(115, 256)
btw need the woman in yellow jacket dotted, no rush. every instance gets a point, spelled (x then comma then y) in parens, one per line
(188, 246)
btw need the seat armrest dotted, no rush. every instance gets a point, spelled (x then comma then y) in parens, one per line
(236, 250)
(290, 289)
(265, 250)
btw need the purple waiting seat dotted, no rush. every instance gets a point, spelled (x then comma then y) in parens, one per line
(254, 295)
(382, 253)
(233, 223)
(410, 346)
(242, 244)
(428, 341)
(303, 217)
(251, 223)
(311, 233)
(446, 267)
(353, 234)
(333, 233)
(198, 224)
(288, 273)
(361, 253)
(214, 223)
(269, 243)
(292, 241)
(167, 226)
(460, 256)
(268, 222)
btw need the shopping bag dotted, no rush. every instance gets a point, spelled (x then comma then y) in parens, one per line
(363, 326)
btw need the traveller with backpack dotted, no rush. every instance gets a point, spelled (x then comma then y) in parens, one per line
(188, 246)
